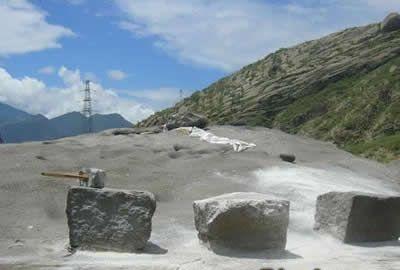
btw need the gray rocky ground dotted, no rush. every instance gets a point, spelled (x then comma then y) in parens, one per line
(179, 169)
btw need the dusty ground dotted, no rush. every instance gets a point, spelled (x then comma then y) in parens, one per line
(34, 235)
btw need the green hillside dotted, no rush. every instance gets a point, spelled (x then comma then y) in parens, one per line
(344, 87)
(360, 113)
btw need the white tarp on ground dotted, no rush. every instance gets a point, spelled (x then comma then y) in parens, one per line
(238, 146)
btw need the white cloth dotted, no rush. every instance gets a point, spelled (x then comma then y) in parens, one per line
(238, 146)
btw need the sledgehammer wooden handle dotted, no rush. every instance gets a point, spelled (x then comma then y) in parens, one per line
(83, 176)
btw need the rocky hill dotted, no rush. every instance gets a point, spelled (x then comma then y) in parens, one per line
(344, 87)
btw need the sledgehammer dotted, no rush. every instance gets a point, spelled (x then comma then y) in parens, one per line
(92, 177)
(83, 177)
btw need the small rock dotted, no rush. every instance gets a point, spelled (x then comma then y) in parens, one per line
(179, 147)
(138, 131)
(17, 244)
(174, 155)
(109, 219)
(358, 217)
(242, 220)
(288, 157)
(391, 23)
(121, 131)
(186, 119)
(49, 142)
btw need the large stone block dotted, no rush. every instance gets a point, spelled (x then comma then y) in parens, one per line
(109, 219)
(358, 217)
(242, 220)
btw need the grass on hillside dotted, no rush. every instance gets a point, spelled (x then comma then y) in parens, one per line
(360, 113)
(383, 149)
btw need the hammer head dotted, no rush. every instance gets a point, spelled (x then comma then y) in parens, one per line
(97, 177)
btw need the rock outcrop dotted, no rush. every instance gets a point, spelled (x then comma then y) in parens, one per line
(133, 131)
(242, 221)
(336, 88)
(358, 217)
(391, 23)
(186, 119)
(109, 219)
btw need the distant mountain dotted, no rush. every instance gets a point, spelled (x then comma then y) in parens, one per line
(74, 123)
(108, 121)
(36, 128)
(39, 128)
(10, 115)
(344, 87)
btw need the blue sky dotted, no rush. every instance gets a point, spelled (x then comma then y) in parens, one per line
(139, 53)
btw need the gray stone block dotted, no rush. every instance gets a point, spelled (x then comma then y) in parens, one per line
(243, 221)
(356, 217)
(109, 219)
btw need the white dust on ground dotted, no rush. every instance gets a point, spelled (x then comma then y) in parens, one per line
(306, 248)
(301, 186)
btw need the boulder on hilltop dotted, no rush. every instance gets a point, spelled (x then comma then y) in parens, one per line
(186, 119)
(391, 23)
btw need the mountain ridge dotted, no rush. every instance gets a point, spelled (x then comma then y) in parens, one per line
(262, 93)
(39, 128)
(9, 114)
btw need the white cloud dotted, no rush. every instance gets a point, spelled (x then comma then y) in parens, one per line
(116, 75)
(227, 34)
(24, 29)
(134, 28)
(48, 70)
(33, 96)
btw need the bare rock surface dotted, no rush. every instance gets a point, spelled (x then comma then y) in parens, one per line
(186, 119)
(32, 207)
(243, 220)
(109, 219)
(356, 217)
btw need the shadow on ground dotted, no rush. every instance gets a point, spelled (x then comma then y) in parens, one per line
(378, 244)
(253, 254)
(153, 249)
